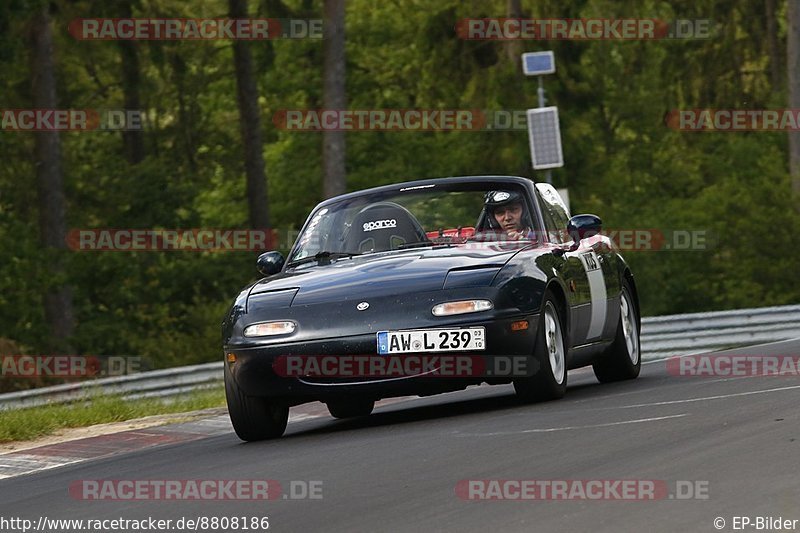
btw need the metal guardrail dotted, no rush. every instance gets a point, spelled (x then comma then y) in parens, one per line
(153, 384)
(662, 336)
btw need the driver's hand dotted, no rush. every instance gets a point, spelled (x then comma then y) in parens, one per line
(515, 235)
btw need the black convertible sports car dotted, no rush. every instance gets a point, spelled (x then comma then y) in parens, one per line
(426, 287)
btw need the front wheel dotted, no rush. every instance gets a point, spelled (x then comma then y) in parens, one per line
(622, 360)
(253, 417)
(550, 380)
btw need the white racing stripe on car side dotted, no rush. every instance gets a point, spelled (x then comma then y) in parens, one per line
(597, 290)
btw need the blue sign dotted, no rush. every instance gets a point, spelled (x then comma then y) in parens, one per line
(537, 63)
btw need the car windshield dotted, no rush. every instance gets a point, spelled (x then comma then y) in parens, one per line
(424, 216)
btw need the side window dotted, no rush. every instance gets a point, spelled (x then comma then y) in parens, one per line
(561, 220)
(551, 226)
(554, 213)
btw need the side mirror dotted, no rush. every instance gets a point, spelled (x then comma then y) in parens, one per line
(581, 227)
(269, 263)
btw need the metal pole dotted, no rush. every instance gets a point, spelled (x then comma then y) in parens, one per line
(547, 175)
(541, 92)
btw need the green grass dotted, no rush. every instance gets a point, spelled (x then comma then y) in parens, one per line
(32, 422)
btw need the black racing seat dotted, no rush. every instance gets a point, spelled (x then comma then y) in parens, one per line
(383, 226)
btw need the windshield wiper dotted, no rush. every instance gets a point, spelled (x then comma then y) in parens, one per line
(323, 257)
(423, 244)
(419, 244)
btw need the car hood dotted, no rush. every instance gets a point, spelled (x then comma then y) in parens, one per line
(414, 270)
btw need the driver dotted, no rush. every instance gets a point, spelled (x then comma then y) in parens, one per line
(505, 210)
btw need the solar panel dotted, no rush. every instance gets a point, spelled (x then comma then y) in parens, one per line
(545, 138)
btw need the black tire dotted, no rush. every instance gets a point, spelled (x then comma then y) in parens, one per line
(350, 408)
(254, 418)
(623, 359)
(545, 384)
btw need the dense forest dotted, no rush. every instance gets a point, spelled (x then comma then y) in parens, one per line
(211, 152)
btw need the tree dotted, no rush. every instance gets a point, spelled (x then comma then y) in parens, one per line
(334, 97)
(773, 48)
(793, 60)
(133, 139)
(247, 97)
(50, 183)
(514, 48)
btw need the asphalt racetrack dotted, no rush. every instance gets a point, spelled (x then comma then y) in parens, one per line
(722, 447)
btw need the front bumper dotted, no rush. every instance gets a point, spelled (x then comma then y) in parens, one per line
(258, 370)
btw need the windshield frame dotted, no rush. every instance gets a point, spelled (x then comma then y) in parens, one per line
(453, 184)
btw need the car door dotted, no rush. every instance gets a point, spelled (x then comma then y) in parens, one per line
(595, 316)
(607, 256)
(587, 272)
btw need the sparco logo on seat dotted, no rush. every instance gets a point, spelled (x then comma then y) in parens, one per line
(380, 224)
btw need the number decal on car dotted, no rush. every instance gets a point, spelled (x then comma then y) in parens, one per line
(589, 260)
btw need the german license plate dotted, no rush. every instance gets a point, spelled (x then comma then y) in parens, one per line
(432, 340)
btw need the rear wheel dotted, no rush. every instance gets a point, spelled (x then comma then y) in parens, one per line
(623, 359)
(550, 380)
(350, 408)
(253, 417)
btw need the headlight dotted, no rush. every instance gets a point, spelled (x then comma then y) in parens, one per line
(461, 307)
(267, 329)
